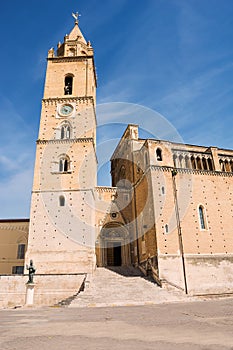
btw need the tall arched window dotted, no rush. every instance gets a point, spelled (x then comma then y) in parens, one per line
(68, 88)
(65, 131)
(193, 162)
(159, 154)
(210, 164)
(187, 162)
(202, 217)
(62, 201)
(204, 162)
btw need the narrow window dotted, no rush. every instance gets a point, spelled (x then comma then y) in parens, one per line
(210, 164)
(61, 165)
(62, 201)
(231, 164)
(181, 161)
(163, 190)
(17, 270)
(193, 162)
(68, 85)
(65, 165)
(187, 162)
(62, 132)
(21, 251)
(204, 164)
(166, 229)
(198, 161)
(227, 166)
(201, 217)
(67, 132)
(159, 154)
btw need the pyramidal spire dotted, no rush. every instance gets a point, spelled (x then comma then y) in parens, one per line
(76, 33)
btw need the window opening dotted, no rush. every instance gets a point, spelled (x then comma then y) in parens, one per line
(17, 270)
(21, 251)
(68, 85)
(62, 201)
(159, 155)
(201, 217)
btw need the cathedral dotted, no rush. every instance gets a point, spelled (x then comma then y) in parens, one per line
(170, 205)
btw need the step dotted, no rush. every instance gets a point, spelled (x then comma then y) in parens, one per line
(118, 286)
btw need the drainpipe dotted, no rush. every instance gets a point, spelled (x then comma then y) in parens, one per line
(135, 206)
(181, 247)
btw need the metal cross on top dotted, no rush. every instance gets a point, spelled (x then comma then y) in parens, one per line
(76, 16)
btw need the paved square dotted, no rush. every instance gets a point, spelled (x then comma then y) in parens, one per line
(203, 325)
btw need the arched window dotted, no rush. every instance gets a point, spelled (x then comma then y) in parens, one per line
(159, 154)
(71, 52)
(204, 162)
(68, 88)
(202, 217)
(231, 164)
(227, 166)
(210, 164)
(193, 162)
(21, 251)
(187, 162)
(198, 162)
(65, 131)
(64, 164)
(62, 201)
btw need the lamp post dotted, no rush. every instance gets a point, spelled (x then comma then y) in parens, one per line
(181, 247)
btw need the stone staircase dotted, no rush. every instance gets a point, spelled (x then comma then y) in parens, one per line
(123, 286)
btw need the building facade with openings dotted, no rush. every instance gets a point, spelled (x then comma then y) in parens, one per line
(170, 203)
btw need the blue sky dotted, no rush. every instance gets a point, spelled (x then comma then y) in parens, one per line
(171, 56)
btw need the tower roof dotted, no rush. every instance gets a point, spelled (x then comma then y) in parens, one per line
(76, 34)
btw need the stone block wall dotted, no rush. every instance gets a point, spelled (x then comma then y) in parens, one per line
(49, 289)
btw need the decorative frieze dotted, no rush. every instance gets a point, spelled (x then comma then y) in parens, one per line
(65, 141)
(106, 189)
(52, 101)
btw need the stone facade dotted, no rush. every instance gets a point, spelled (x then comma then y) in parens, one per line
(181, 209)
(62, 219)
(170, 204)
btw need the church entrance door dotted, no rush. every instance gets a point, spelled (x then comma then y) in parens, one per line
(114, 254)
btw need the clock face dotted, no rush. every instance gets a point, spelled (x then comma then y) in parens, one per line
(66, 109)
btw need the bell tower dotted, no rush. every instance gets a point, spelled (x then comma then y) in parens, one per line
(62, 218)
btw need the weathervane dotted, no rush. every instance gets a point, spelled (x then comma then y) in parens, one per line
(76, 16)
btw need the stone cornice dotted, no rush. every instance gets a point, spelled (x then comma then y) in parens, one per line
(69, 99)
(14, 228)
(64, 141)
(106, 189)
(191, 171)
(63, 59)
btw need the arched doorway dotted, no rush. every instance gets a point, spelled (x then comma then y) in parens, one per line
(114, 248)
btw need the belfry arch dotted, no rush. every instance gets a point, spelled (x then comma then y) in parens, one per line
(114, 245)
